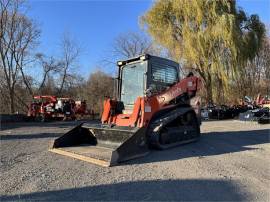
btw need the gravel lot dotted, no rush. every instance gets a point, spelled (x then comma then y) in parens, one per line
(231, 162)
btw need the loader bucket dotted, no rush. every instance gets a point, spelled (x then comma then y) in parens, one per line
(101, 144)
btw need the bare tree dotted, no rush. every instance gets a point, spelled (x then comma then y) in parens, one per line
(18, 34)
(49, 65)
(70, 54)
(265, 63)
(98, 87)
(255, 77)
(131, 44)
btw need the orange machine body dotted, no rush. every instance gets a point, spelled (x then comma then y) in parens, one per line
(145, 107)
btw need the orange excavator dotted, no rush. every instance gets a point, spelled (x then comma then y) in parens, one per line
(153, 109)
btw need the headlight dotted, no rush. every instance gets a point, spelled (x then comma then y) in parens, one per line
(143, 57)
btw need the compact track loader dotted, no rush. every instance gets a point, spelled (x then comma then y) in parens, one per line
(153, 109)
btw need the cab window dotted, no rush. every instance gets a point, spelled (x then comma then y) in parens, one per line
(164, 73)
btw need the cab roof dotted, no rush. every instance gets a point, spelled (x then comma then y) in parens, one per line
(144, 57)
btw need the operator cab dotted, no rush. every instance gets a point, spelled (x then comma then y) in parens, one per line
(144, 74)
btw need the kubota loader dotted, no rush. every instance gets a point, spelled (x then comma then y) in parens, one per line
(153, 109)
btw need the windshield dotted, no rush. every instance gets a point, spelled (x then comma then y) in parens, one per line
(132, 82)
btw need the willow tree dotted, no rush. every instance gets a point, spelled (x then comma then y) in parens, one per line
(212, 37)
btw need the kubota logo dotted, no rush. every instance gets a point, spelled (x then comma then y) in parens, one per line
(169, 95)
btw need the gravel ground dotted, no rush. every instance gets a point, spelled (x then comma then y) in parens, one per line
(230, 163)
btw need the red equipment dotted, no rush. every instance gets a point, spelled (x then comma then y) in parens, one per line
(81, 107)
(153, 109)
(262, 101)
(47, 107)
(42, 107)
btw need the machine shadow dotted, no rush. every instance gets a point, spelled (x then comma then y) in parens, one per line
(58, 124)
(157, 190)
(213, 143)
(30, 136)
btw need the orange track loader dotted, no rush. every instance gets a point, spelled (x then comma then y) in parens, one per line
(153, 109)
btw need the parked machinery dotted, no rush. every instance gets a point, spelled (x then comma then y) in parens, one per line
(221, 112)
(259, 112)
(42, 107)
(47, 107)
(81, 108)
(263, 101)
(153, 109)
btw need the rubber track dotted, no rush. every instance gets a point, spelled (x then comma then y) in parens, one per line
(157, 125)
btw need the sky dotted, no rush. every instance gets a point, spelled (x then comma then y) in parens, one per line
(95, 24)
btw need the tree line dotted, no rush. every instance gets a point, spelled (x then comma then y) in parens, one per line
(216, 40)
(53, 75)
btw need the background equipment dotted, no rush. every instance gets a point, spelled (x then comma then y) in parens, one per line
(48, 107)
